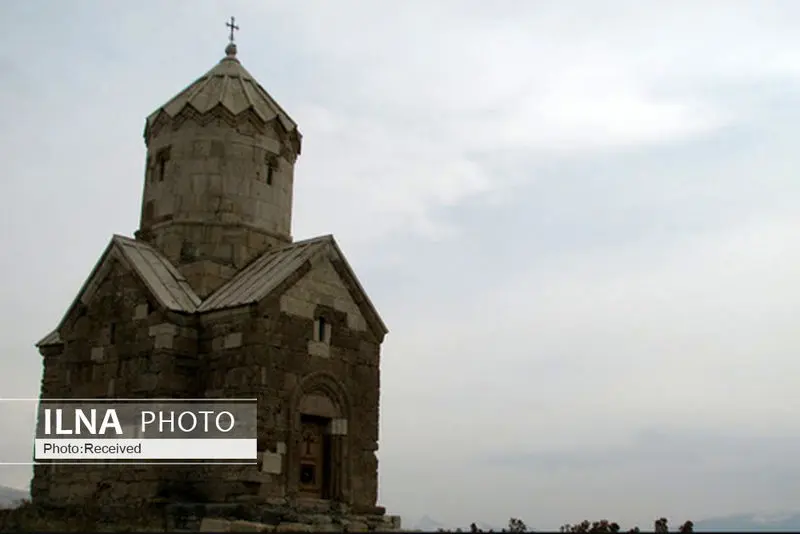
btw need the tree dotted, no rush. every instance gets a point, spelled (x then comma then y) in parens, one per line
(516, 525)
(589, 527)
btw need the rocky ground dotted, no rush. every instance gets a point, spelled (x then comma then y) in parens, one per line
(189, 518)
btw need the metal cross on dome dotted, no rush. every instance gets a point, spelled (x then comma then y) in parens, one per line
(232, 25)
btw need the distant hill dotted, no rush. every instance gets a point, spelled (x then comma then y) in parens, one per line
(426, 524)
(10, 497)
(778, 522)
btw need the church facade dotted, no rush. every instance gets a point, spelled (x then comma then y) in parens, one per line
(212, 298)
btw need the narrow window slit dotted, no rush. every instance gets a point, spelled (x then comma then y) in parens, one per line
(161, 162)
(321, 329)
(270, 165)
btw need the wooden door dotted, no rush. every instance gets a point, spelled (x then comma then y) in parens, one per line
(312, 445)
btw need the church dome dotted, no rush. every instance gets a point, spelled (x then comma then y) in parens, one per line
(229, 85)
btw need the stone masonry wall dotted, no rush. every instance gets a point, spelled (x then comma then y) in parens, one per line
(216, 174)
(224, 195)
(228, 372)
(267, 352)
(351, 357)
(120, 345)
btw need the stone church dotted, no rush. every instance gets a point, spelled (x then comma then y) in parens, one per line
(214, 299)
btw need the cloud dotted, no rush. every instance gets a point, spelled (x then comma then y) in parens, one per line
(410, 116)
(578, 221)
(570, 358)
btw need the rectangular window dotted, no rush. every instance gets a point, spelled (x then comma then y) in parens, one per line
(112, 333)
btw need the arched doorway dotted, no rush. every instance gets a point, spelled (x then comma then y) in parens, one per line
(317, 462)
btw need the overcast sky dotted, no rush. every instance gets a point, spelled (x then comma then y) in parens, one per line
(578, 219)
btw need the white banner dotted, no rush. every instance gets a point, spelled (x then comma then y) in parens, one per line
(146, 449)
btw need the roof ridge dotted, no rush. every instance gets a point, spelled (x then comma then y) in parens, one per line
(263, 276)
(254, 282)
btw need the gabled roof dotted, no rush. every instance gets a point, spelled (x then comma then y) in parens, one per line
(267, 272)
(230, 85)
(255, 282)
(165, 282)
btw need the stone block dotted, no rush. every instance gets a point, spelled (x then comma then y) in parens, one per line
(294, 527)
(356, 526)
(319, 349)
(233, 340)
(298, 307)
(271, 462)
(395, 521)
(271, 145)
(280, 448)
(249, 526)
(339, 427)
(259, 477)
(188, 332)
(163, 328)
(355, 321)
(164, 341)
(201, 148)
(148, 382)
(214, 525)
(97, 354)
(141, 311)
(320, 519)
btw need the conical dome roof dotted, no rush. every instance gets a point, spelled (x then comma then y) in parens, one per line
(228, 84)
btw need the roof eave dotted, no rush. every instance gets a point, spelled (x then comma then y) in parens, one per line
(50, 340)
(354, 279)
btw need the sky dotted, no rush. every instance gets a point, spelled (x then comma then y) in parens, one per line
(578, 220)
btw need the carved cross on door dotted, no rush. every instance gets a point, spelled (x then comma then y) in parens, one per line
(309, 439)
